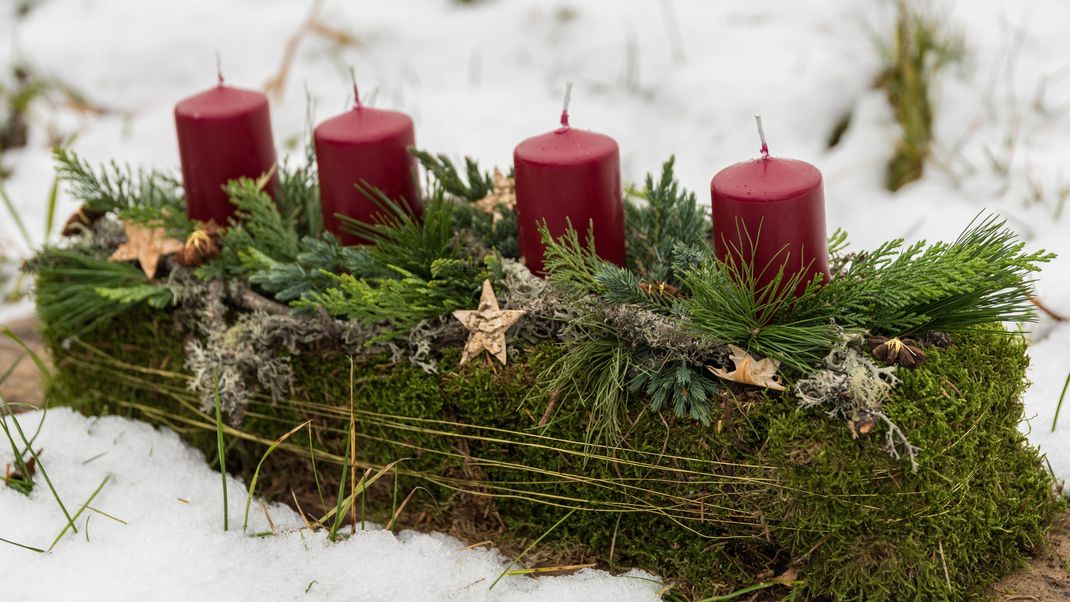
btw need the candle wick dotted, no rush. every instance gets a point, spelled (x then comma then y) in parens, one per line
(564, 108)
(761, 135)
(219, 66)
(356, 91)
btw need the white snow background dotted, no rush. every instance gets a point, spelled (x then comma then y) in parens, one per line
(666, 77)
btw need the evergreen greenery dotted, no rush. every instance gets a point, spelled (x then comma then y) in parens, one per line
(668, 217)
(475, 184)
(606, 406)
(707, 509)
(144, 196)
(647, 331)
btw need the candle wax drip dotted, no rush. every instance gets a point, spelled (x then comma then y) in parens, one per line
(765, 151)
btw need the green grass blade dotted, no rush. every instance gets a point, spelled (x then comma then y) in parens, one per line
(1059, 407)
(44, 473)
(221, 450)
(79, 513)
(36, 359)
(530, 546)
(23, 546)
(53, 195)
(339, 512)
(256, 473)
(15, 217)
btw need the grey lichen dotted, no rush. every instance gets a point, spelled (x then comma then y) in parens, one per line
(854, 388)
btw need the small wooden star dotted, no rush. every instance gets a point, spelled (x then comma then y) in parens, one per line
(487, 326)
(502, 193)
(147, 246)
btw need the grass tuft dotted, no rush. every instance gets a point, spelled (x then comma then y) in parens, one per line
(919, 49)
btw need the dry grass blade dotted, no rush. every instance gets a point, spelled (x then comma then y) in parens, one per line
(401, 508)
(530, 546)
(568, 568)
(256, 474)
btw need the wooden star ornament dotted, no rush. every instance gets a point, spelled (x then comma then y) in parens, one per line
(487, 326)
(147, 246)
(503, 192)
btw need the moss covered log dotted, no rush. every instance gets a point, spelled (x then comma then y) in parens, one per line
(765, 488)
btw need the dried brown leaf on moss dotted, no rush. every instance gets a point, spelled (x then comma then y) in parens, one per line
(751, 370)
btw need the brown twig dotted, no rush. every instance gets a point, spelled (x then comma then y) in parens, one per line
(1058, 317)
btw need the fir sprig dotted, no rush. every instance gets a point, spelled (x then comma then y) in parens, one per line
(134, 194)
(674, 383)
(665, 216)
(308, 272)
(256, 225)
(475, 184)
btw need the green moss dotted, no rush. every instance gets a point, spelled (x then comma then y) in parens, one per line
(795, 488)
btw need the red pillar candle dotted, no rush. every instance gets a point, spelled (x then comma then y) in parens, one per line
(569, 176)
(770, 213)
(223, 134)
(364, 145)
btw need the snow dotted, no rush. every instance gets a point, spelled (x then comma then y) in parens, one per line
(173, 546)
(669, 77)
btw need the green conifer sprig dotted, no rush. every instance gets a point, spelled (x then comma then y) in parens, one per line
(674, 383)
(475, 184)
(984, 276)
(256, 225)
(139, 195)
(666, 216)
(298, 196)
(288, 281)
(77, 293)
(403, 300)
(403, 239)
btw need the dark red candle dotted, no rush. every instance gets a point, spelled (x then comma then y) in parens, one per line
(223, 134)
(569, 176)
(770, 213)
(364, 146)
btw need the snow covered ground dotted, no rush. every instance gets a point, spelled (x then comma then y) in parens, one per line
(668, 77)
(173, 547)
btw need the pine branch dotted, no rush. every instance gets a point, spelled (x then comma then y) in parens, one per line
(77, 293)
(727, 305)
(406, 241)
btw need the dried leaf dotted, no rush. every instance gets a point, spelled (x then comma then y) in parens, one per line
(750, 370)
